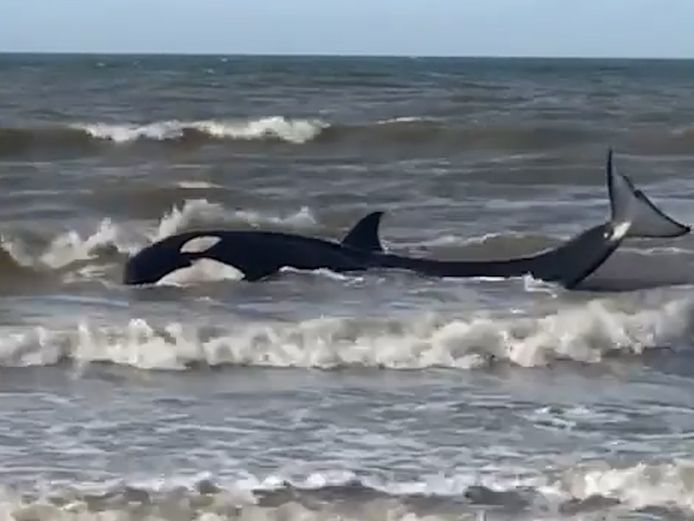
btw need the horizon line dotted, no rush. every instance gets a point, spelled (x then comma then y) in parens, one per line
(346, 55)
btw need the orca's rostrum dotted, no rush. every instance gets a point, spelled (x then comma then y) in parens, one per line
(259, 254)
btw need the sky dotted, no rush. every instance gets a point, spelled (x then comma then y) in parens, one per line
(583, 28)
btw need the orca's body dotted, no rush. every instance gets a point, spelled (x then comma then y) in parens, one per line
(258, 254)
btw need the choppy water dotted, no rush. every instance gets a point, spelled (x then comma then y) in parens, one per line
(319, 396)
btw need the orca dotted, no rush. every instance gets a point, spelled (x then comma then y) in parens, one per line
(260, 254)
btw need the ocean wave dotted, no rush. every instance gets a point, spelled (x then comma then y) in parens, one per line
(197, 185)
(84, 136)
(407, 131)
(344, 494)
(410, 131)
(587, 333)
(111, 241)
(207, 501)
(275, 127)
(636, 487)
(16, 275)
(402, 119)
(200, 212)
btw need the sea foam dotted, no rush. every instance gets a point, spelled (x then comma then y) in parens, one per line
(274, 127)
(585, 332)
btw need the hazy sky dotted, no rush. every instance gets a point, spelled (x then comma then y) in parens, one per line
(623, 28)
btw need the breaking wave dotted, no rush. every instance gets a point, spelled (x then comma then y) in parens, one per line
(88, 136)
(594, 491)
(275, 127)
(413, 131)
(586, 333)
(111, 240)
(198, 212)
(82, 136)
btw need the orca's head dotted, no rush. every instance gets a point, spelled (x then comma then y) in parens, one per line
(168, 255)
(154, 262)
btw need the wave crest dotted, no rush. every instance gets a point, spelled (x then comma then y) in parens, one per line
(639, 486)
(198, 212)
(274, 127)
(424, 133)
(585, 333)
(342, 494)
(111, 240)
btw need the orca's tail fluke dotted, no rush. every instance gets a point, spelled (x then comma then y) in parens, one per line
(632, 215)
(628, 202)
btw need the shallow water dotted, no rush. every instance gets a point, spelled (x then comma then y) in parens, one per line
(317, 395)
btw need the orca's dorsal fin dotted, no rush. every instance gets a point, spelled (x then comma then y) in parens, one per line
(364, 235)
(629, 203)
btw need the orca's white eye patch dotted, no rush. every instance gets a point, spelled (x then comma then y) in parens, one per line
(199, 244)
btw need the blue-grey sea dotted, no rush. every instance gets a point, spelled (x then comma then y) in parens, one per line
(316, 396)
